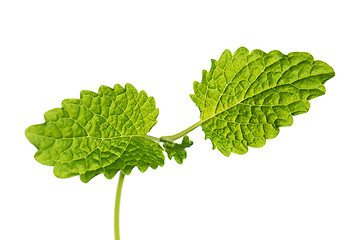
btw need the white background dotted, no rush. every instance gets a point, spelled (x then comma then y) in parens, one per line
(304, 184)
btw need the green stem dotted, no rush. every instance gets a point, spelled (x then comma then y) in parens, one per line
(180, 134)
(153, 138)
(117, 204)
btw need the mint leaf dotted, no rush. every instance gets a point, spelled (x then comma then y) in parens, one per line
(246, 97)
(177, 150)
(99, 133)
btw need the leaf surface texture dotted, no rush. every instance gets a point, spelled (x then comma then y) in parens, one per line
(247, 96)
(101, 132)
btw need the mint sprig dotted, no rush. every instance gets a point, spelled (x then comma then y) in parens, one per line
(243, 100)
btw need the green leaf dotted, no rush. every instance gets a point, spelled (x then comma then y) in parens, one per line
(99, 133)
(177, 150)
(246, 97)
